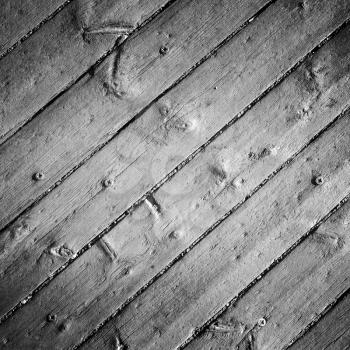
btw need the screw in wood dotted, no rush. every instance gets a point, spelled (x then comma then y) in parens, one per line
(51, 317)
(38, 176)
(163, 50)
(318, 180)
(262, 322)
(107, 182)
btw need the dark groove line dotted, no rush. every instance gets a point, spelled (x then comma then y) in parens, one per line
(239, 296)
(177, 168)
(36, 28)
(209, 230)
(89, 71)
(318, 317)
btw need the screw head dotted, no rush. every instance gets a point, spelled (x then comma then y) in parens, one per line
(38, 176)
(262, 322)
(51, 317)
(318, 180)
(163, 50)
(107, 182)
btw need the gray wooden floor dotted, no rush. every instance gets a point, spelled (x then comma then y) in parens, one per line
(175, 174)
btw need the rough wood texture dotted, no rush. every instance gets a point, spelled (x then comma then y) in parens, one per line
(19, 17)
(60, 52)
(332, 332)
(51, 233)
(291, 296)
(142, 244)
(193, 182)
(238, 250)
(93, 110)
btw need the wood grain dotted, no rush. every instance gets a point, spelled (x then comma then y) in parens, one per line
(291, 296)
(142, 244)
(60, 52)
(332, 332)
(92, 111)
(19, 17)
(237, 251)
(171, 131)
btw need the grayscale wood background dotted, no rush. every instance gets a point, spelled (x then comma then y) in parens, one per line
(175, 174)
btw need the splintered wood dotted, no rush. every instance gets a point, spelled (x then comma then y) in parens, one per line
(174, 174)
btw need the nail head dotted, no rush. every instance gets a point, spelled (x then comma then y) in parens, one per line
(51, 317)
(262, 322)
(107, 182)
(38, 176)
(319, 180)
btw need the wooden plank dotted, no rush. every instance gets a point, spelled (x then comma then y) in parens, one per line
(82, 204)
(83, 119)
(135, 250)
(290, 296)
(331, 332)
(19, 17)
(198, 286)
(59, 53)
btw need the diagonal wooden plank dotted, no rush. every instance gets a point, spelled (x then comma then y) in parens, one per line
(332, 332)
(290, 296)
(238, 250)
(130, 255)
(82, 120)
(31, 246)
(19, 18)
(55, 56)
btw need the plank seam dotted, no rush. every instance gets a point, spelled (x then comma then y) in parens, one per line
(317, 318)
(239, 296)
(36, 28)
(209, 230)
(170, 174)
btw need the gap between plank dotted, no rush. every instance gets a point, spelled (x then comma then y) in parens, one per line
(214, 226)
(175, 170)
(323, 313)
(37, 27)
(235, 299)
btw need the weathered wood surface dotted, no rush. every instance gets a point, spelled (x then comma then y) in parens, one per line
(332, 332)
(237, 251)
(83, 118)
(60, 52)
(23, 237)
(20, 17)
(290, 296)
(132, 253)
(51, 233)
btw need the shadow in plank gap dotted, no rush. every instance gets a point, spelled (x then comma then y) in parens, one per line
(111, 274)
